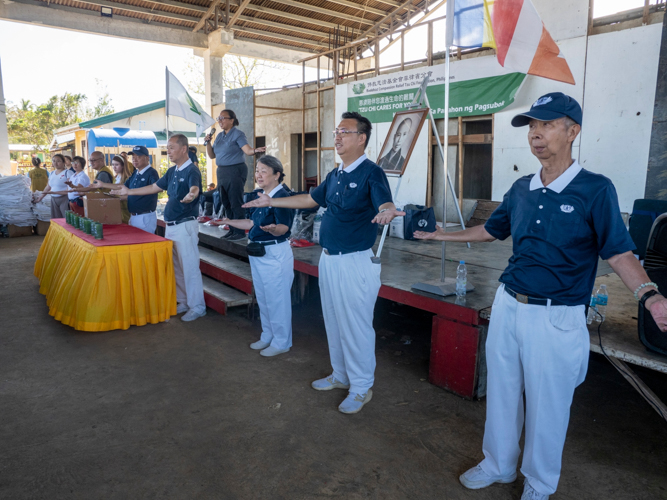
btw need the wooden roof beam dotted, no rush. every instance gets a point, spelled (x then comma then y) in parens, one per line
(280, 36)
(288, 15)
(139, 10)
(328, 12)
(206, 15)
(282, 26)
(238, 12)
(393, 13)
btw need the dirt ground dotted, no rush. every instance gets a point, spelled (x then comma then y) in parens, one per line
(188, 411)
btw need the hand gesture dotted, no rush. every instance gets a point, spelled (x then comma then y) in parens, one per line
(423, 235)
(260, 150)
(384, 218)
(263, 200)
(121, 191)
(658, 310)
(69, 183)
(188, 198)
(208, 137)
(268, 229)
(97, 184)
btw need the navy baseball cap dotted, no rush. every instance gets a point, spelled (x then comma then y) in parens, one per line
(550, 107)
(139, 150)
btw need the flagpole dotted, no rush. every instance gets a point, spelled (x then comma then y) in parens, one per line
(166, 104)
(444, 162)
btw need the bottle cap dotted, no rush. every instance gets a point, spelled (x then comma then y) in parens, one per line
(462, 262)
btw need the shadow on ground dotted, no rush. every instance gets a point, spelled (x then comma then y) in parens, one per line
(184, 411)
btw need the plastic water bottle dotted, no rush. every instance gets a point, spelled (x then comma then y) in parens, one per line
(601, 298)
(461, 279)
(591, 309)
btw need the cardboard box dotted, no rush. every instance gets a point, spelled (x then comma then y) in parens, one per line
(16, 231)
(42, 227)
(102, 208)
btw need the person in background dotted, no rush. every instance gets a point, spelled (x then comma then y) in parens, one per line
(122, 174)
(39, 177)
(102, 172)
(57, 187)
(79, 179)
(68, 163)
(211, 186)
(273, 272)
(194, 157)
(358, 198)
(128, 162)
(229, 150)
(182, 183)
(562, 220)
(141, 208)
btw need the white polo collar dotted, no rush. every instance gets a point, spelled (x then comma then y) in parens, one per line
(561, 181)
(187, 163)
(274, 190)
(143, 170)
(352, 165)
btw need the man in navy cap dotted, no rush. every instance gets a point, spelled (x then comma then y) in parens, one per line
(141, 208)
(561, 220)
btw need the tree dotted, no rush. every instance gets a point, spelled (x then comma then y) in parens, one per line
(31, 124)
(237, 72)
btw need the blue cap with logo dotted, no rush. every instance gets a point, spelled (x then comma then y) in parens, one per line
(550, 107)
(139, 150)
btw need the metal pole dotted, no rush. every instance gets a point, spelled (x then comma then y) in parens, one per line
(384, 230)
(444, 162)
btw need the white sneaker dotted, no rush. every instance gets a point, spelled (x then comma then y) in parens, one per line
(476, 478)
(272, 351)
(354, 402)
(328, 383)
(192, 315)
(530, 494)
(259, 345)
(181, 308)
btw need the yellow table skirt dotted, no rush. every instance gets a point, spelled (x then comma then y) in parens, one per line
(97, 289)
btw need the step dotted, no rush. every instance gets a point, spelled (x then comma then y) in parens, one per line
(220, 297)
(229, 270)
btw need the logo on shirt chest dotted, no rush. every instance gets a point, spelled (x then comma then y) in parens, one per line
(568, 209)
(353, 185)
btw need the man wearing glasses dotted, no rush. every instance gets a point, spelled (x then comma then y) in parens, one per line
(229, 150)
(104, 173)
(357, 198)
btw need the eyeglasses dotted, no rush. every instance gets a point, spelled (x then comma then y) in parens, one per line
(91, 160)
(342, 131)
(220, 118)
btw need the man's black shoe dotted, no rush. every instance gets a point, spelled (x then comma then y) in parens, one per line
(234, 236)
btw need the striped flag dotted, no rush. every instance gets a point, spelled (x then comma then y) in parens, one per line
(514, 29)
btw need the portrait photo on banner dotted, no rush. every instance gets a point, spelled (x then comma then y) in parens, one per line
(400, 141)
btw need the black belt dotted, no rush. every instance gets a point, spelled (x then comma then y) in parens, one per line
(327, 252)
(525, 299)
(142, 213)
(179, 221)
(267, 243)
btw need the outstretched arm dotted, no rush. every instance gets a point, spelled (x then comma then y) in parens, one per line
(298, 201)
(477, 233)
(123, 190)
(245, 224)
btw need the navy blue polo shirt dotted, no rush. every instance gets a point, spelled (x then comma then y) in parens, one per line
(352, 198)
(271, 215)
(146, 203)
(227, 147)
(177, 183)
(558, 232)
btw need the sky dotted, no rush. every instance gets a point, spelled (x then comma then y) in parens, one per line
(39, 62)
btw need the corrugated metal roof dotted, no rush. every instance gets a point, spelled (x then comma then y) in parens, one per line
(308, 25)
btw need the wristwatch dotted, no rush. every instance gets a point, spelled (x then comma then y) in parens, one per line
(647, 296)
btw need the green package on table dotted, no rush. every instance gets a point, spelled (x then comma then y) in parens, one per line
(98, 231)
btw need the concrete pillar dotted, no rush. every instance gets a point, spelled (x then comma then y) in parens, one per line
(5, 167)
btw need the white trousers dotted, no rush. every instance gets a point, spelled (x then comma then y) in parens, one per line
(542, 350)
(349, 286)
(272, 277)
(189, 286)
(147, 222)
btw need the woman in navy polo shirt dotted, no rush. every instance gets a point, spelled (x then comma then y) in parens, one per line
(273, 272)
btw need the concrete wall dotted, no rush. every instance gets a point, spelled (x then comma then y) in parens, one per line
(5, 167)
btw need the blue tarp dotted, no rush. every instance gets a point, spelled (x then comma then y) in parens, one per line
(111, 138)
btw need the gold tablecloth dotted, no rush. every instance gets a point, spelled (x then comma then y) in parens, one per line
(100, 288)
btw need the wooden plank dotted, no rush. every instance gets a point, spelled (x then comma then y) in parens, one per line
(467, 139)
(235, 16)
(228, 295)
(206, 15)
(639, 385)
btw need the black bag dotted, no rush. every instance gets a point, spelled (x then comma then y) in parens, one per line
(255, 249)
(418, 218)
(649, 333)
